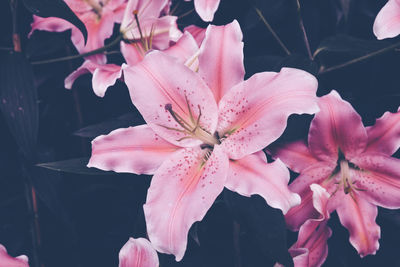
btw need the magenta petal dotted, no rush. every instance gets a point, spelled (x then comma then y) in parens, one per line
(311, 246)
(206, 8)
(50, 24)
(387, 22)
(181, 192)
(254, 113)
(358, 216)
(104, 77)
(315, 174)
(8, 261)
(159, 80)
(336, 125)
(253, 175)
(384, 136)
(221, 58)
(295, 155)
(379, 179)
(138, 253)
(135, 150)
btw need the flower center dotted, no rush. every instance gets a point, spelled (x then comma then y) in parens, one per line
(343, 169)
(192, 128)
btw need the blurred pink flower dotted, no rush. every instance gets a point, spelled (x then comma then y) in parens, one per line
(138, 253)
(387, 22)
(143, 30)
(98, 16)
(8, 261)
(352, 163)
(205, 130)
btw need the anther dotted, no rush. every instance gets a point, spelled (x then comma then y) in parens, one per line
(168, 107)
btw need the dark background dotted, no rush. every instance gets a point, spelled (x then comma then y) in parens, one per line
(85, 219)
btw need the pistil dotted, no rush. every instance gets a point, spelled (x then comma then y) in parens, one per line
(192, 128)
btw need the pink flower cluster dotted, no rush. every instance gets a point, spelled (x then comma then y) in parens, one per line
(206, 128)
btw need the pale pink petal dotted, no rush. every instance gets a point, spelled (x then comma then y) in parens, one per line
(336, 126)
(358, 216)
(98, 31)
(311, 246)
(253, 175)
(115, 6)
(87, 67)
(50, 24)
(387, 22)
(134, 150)
(181, 192)
(145, 9)
(315, 174)
(221, 58)
(8, 261)
(198, 33)
(254, 113)
(160, 80)
(138, 253)
(384, 136)
(184, 49)
(161, 30)
(104, 77)
(206, 8)
(379, 178)
(78, 6)
(133, 53)
(295, 155)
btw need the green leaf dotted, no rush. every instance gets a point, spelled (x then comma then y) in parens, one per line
(18, 101)
(75, 166)
(350, 45)
(106, 127)
(55, 8)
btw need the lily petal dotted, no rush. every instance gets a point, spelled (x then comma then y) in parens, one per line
(133, 53)
(138, 253)
(358, 216)
(206, 8)
(387, 22)
(7, 260)
(159, 80)
(86, 67)
(336, 126)
(221, 58)
(295, 155)
(315, 174)
(384, 136)
(254, 113)
(104, 77)
(198, 33)
(253, 175)
(311, 246)
(379, 179)
(181, 192)
(185, 49)
(134, 150)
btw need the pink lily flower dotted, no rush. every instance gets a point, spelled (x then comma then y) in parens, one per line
(146, 30)
(98, 16)
(387, 22)
(138, 253)
(352, 163)
(7, 260)
(206, 8)
(311, 248)
(197, 33)
(205, 131)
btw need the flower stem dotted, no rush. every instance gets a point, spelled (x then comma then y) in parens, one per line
(305, 38)
(90, 53)
(272, 31)
(323, 70)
